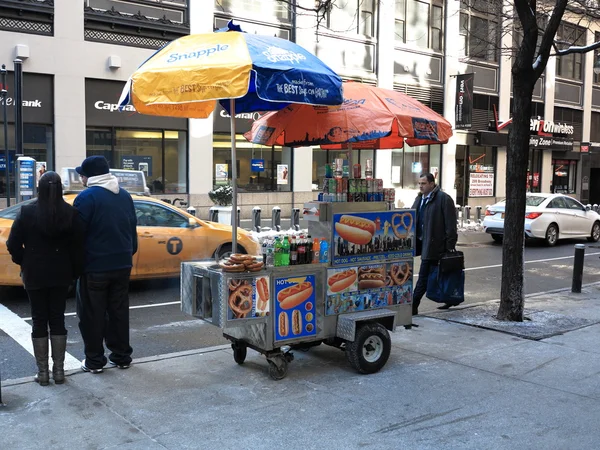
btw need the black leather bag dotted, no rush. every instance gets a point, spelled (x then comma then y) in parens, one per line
(452, 262)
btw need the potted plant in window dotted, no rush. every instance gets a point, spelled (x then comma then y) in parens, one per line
(222, 197)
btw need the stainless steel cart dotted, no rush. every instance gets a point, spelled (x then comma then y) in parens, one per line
(280, 309)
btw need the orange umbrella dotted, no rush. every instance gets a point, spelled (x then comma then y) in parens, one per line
(369, 118)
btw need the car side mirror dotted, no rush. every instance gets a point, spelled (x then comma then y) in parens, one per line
(192, 222)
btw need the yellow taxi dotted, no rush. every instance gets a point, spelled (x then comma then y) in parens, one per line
(167, 236)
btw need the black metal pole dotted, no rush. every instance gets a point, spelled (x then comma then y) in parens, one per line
(19, 107)
(578, 268)
(4, 95)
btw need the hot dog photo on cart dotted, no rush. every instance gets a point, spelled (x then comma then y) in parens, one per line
(389, 232)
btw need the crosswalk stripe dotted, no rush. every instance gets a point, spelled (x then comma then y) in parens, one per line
(20, 331)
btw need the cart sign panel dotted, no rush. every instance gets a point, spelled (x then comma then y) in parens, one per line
(248, 298)
(295, 307)
(369, 287)
(373, 236)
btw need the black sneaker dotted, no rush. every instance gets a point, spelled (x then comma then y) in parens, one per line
(87, 369)
(120, 366)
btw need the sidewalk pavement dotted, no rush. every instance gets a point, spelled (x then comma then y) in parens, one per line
(447, 385)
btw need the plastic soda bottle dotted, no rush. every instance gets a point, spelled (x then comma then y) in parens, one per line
(270, 254)
(324, 251)
(315, 248)
(278, 252)
(285, 254)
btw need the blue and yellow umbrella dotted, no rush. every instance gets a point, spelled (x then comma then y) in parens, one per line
(246, 72)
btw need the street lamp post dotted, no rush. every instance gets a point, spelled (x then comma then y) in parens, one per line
(3, 95)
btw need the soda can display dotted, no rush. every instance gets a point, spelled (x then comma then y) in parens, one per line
(363, 190)
(352, 189)
(386, 195)
(332, 185)
(339, 185)
(345, 188)
(370, 190)
(379, 183)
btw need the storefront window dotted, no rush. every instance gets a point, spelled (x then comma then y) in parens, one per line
(564, 174)
(161, 154)
(534, 171)
(37, 143)
(410, 162)
(275, 162)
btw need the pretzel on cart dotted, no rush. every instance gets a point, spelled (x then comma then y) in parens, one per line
(240, 301)
(400, 273)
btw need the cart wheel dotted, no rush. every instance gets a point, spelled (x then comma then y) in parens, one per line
(278, 370)
(371, 348)
(239, 353)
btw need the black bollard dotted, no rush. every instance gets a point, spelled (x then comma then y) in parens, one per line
(256, 218)
(467, 213)
(478, 214)
(191, 210)
(296, 219)
(213, 214)
(595, 207)
(578, 268)
(276, 218)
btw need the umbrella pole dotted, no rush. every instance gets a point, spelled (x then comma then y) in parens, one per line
(234, 176)
(350, 168)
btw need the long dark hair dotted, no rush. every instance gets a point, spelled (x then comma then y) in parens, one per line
(53, 214)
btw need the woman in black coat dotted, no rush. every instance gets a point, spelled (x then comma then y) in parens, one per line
(46, 240)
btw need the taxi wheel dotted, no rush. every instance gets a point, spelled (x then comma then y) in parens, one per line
(225, 250)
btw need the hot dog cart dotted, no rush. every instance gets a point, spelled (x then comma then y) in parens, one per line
(349, 302)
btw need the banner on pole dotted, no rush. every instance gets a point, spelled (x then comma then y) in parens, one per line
(464, 101)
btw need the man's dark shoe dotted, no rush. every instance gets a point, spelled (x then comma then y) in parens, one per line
(120, 366)
(87, 369)
(445, 306)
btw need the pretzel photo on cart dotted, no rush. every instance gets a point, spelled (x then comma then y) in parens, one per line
(400, 225)
(240, 300)
(399, 273)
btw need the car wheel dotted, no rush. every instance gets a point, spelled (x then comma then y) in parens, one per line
(225, 250)
(497, 238)
(595, 236)
(551, 235)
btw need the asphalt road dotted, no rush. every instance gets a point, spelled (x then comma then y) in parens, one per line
(158, 326)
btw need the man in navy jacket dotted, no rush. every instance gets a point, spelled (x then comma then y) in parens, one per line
(108, 214)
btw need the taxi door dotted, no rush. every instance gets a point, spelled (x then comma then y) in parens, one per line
(164, 240)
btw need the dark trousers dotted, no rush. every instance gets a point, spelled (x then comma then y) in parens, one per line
(48, 310)
(421, 286)
(103, 311)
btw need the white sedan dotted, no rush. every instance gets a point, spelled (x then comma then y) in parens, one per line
(549, 217)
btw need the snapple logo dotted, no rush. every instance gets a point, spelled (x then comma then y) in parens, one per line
(276, 54)
(195, 54)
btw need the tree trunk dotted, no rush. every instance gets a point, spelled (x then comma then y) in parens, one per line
(512, 295)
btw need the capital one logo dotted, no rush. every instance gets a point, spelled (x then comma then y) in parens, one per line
(112, 107)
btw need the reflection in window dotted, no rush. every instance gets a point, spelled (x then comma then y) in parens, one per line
(569, 66)
(160, 154)
(263, 9)
(251, 178)
(149, 215)
(479, 31)
(410, 162)
(564, 174)
(352, 17)
(419, 23)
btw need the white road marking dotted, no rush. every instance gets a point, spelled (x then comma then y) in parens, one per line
(532, 262)
(20, 331)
